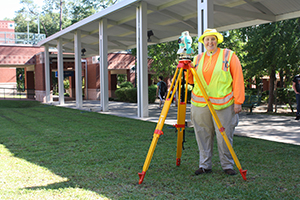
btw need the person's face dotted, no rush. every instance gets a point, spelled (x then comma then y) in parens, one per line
(210, 43)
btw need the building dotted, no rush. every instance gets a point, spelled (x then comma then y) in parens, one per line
(16, 52)
(7, 75)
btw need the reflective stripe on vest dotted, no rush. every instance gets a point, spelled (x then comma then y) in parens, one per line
(214, 101)
(219, 89)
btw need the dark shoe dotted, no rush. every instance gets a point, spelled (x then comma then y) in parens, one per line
(297, 118)
(202, 171)
(230, 172)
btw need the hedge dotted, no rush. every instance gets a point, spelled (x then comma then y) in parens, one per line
(130, 94)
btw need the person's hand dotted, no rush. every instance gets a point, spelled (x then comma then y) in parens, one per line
(237, 108)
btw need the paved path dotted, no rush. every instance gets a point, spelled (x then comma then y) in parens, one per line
(267, 127)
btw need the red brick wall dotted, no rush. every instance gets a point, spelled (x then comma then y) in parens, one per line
(7, 26)
(8, 75)
(40, 77)
(93, 74)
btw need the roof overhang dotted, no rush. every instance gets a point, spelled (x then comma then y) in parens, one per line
(167, 19)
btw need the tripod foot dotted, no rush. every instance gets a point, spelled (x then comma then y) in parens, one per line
(178, 161)
(141, 175)
(243, 173)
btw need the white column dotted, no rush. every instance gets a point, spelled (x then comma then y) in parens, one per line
(205, 18)
(142, 60)
(103, 64)
(78, 70)
(47, 73)
(60, 72)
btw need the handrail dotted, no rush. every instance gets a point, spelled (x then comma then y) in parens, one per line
(20, 38)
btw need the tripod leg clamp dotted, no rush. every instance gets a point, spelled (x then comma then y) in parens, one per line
(159, 132)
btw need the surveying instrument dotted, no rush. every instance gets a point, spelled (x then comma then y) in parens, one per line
(185, 51)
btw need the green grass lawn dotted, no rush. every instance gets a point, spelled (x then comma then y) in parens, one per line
(50, 152)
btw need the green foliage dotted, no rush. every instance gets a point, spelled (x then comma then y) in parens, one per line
(121, 78)
(126, 85)
(165, 58)
(251, 91)
(20, 81)
(129, 94)
(84, 8)
(272, 46)
(121, 94)
(233, 39)
(152, 93)
(66, 83)
(49, 14)
(285, 95)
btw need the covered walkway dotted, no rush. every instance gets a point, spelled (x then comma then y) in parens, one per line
(138, 23)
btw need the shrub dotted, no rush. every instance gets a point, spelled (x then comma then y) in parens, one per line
(152, 93)
(285, 95)
(126, 85)
(121, 94)
(130, 94)
(251, 91)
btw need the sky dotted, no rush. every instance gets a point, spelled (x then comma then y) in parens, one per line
(8, 8)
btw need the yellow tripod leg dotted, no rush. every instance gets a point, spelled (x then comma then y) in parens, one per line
(221, 128)
(181, 115)
(180, 128)
(158, 131)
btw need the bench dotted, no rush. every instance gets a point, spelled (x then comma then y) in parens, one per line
(251, 101)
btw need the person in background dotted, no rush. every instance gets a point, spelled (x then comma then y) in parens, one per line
(296, 87)
(161, 90)
(221, 75)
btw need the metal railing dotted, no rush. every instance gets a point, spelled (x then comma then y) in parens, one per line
(15, 93)
(20, 38)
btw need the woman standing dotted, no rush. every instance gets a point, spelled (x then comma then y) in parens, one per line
(221, 75)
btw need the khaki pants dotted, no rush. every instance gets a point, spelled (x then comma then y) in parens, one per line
(205, 129)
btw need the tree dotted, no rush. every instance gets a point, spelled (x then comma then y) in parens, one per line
(234, 40)
(56, 15)
(165, 58)
(85, 8)
(271, 48)
(49, 16)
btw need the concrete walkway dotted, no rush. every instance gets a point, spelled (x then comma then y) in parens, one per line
(267, 127)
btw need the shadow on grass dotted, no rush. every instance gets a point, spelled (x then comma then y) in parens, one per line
(103, 154)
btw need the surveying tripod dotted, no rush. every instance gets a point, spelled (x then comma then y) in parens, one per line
(184, 64)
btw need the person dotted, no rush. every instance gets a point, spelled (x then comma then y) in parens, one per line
(221, 75)
(296, 87)
(161, 90)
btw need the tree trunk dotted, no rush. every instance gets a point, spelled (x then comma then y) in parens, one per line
(271, 90)
(275, 97)
(45, 29)
(60, 17)
(281, 79)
